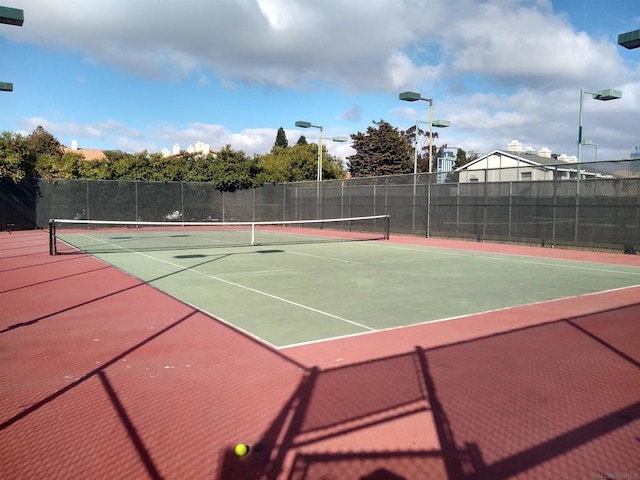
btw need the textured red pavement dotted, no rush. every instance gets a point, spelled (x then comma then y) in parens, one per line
(104, 377)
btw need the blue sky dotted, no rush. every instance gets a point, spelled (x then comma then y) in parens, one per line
(146, 74)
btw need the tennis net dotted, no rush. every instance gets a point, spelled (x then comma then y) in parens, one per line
(104, 236)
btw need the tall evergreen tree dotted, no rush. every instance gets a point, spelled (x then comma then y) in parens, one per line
(382, 150)
(281, 139)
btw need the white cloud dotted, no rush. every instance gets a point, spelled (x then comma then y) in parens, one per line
(537, 58)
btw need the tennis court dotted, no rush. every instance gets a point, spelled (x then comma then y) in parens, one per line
(288, 286)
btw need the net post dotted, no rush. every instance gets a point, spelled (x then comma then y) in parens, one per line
(52, 237)
(253, 234)
(387, 230)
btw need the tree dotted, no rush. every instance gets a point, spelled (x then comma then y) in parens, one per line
(382, 150)
(423, 147)
(15, 161)
(41, 142)
(52, 166)
(302, 140)
(281, 139)
(234, 170)
(299, 163)
(461, 158)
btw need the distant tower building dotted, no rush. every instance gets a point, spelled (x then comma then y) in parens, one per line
(635, 154)
(74, 145)
(165, 152)
(566, 158)
(176, 149)
(190, 149)
(514, 146)
(203, 148)
(545, 152)
(446, 162)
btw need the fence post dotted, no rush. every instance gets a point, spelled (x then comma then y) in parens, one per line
(386, 193)
(88, 210)
(137, 214)
(484, 207)
(284, 201)
(577, 208)
(224, 216)
(458, 207)
(429, 205)
(254, 203)
(182, 200)
(555, 204)
(510, 204)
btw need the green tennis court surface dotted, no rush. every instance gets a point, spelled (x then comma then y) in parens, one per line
(305, 291)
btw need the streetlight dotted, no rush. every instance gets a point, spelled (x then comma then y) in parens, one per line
(413, 97)
(602, 95)
(302, 124)
(435, 123)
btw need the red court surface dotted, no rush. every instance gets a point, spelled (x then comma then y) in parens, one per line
(105, 377)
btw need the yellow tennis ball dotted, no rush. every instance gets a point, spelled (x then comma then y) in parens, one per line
(241, 449)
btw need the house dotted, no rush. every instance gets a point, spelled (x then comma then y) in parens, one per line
(88, 154)
(511, 166)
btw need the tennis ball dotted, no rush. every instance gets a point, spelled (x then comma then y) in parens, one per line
(241, 449)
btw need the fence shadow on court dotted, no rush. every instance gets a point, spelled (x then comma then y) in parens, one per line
(557, 399)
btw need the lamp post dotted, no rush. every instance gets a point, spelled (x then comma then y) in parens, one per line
(602, 95)
(413, 97)
(335, 139)
(303, 124)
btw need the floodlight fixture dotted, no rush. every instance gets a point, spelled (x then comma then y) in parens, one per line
(410, 96)
(303, 124)
(441, 123)
(606, 95)
(6, 87)
(11, 16)
(629, 40)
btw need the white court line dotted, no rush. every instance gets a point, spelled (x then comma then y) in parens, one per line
(516, 260)
(324, 258)
(457, 317)
(195, 307)
(275, 297)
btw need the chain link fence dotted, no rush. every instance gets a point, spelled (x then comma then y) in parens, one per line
(597, 210)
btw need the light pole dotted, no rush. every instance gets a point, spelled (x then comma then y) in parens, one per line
(303, 124)
(435, 123)
(602, 95)
(413, 97)
(335, 139)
